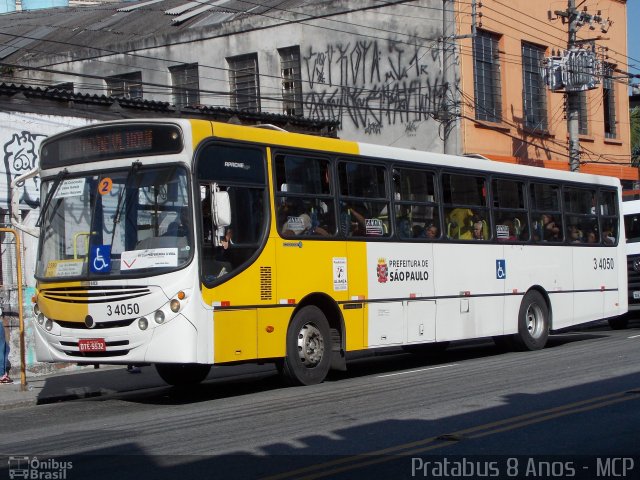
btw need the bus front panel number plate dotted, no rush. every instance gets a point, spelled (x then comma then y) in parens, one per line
(92, 345)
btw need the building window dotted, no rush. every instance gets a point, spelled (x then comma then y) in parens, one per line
(291, 81)
(244, 84)
(534, 92)
(487, 85)
(609, 102)
(186, 89)
(583, 119)
(126, 85)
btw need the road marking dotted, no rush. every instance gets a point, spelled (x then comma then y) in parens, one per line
(634, 336)
(416, 371)
(328, 469)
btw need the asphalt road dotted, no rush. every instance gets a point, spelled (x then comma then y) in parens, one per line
(571, 410)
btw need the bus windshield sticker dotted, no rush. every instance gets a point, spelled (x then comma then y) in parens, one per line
(71, 188)
(153, 258)
(64, 268)
(502, 231)
(100, 259)
(339, 274)
(373, 226)
(105, 185)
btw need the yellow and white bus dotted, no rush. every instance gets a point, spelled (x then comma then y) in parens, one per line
(189, 243)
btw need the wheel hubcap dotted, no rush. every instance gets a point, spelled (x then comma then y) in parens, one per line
(310, 345)
(534, 320)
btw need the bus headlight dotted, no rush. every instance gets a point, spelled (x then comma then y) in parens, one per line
(36, 309)
(143, 323)
(48, 325)
(159, 316)
(41, 318)
(175, 305)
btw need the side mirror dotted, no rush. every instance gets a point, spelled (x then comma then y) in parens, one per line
(220, 206)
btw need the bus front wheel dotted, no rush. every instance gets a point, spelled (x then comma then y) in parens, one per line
(533, 322)
(182, 374)
(308, 348)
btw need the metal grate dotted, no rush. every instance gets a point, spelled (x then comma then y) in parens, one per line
(265, 283)
(243, 82)
(486, 76)
(534, 92)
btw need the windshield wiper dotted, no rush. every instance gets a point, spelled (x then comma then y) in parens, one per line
(45, 206)
(116, 218)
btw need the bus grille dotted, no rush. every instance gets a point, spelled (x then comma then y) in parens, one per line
(634, 278)
(85, 295)
(265, 283)
(98, 326)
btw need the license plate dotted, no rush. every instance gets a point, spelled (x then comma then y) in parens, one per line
(636, 295)
(92, 345)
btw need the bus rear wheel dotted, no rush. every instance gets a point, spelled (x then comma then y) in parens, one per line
(308, 355)
(533, 322)
(182, 374)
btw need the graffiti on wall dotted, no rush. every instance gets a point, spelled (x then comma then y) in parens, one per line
(373, 83)
(21, 156)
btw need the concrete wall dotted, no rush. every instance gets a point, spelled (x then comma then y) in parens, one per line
(378, 71)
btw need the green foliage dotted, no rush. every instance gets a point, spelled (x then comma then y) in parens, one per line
(635, 136)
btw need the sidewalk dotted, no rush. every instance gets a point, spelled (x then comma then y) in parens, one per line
(75, 383)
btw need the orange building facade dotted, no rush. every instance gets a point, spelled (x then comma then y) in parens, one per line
(509, 114)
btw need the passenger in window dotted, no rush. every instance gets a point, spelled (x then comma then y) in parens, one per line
(608, 237)
(459, 223)
(575, 234)
(477, 230)
(591, 237)
(550, 229)
(432, 232)
(404, 228)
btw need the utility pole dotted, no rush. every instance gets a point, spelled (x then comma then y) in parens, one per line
(573, 115)
(449, 112)
(575, 70)
(450, 97)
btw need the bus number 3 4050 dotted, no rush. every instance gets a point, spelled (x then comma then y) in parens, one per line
(603, 263)
(123, 309)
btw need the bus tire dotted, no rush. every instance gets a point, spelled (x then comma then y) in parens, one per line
(619, 323)
(533, 322)
(182, 374)
(308, 355)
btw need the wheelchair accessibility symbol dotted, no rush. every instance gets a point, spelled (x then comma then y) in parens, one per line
(501, 269)
(100, 259)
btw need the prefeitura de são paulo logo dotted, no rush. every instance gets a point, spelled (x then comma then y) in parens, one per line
(382, 270)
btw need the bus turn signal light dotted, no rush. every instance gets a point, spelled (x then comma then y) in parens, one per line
(269, 329)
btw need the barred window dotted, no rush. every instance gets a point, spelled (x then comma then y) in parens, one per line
(126, 85)
(486, 77)
(291, 81)
(583, 119)
(609, 102)
(185, 84)
(534, 92)
(243, 82)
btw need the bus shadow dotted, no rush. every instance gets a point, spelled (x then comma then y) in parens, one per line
(359, 364)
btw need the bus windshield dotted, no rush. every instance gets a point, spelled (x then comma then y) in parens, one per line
(128, 222)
